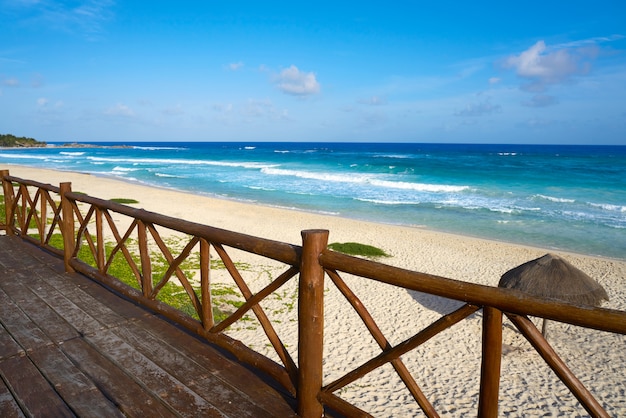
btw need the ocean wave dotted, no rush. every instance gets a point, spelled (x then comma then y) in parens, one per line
(169, 175)
(386, 202)
(72, 154)
(265, 189)
(365, 179)
(171, 161)
(554, 199)
(398, 156)
(420, 187)
(508, 154)
(608, 207)
(159, 148)
(24, 156)
(124, 169)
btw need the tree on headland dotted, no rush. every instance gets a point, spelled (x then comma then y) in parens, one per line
(8, 140)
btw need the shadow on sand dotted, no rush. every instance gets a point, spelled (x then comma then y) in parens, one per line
(435, 303)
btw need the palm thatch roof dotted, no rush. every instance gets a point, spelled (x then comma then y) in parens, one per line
(553, 277)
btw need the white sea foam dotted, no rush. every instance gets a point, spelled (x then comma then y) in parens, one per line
(555, 199)
(399, 156)
(609, 207)
(72, 154)
(387, 202)
(171, 161)
(267, 189)
(421, 187)
(24, 156)
(365, 179)
(169, 175)
(124, 169)
(159, 148)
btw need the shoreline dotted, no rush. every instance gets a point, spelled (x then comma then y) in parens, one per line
(305, 213)
(447, 367)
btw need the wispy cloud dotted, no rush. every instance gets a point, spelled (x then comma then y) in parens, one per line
(590, 41)
(542, 66)
(120, 109)
(173, 110)
(45, 106)
(541, 100)
(234, 66)
(478, 109)
(374, 101)
(299, 83)
(263, 109)
(11, 82)
(86, 17)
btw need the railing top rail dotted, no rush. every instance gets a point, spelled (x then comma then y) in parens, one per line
(507, 300)
(280, 251)
(33, 183)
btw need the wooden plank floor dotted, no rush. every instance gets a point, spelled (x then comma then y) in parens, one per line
(70, 347)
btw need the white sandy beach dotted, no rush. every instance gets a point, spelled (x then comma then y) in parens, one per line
(447, 367)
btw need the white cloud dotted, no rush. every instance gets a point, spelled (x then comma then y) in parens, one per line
(478, 109)
(543, 66)
(11, 82)
(494, 80)
(85, 16)
(538, 123)
(374, 101)
(120, 109)
(173, 110)
(42, 101)
(541, 100)
(223, 108)
(234, 66)
(293, 81)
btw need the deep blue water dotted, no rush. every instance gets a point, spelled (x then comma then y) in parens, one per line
(564, 197)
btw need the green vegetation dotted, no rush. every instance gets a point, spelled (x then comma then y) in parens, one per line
(173, 294)
(124, 201)
(8, 140)
(356, 249)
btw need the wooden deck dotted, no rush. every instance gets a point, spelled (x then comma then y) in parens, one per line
(70, 347)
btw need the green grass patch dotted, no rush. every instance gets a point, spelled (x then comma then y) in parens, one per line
(357, 249)
(172, 294)
(123, 200)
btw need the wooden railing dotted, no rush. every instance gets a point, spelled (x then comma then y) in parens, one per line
(39, 212)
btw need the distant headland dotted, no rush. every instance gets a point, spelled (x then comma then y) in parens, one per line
(12, 141)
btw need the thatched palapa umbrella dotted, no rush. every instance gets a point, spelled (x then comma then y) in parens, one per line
(552, 277)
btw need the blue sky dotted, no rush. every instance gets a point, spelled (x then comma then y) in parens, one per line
(446, 71)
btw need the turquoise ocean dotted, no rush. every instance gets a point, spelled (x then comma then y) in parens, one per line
(570, 198)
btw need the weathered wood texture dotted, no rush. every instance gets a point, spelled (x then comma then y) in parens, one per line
(70, 347)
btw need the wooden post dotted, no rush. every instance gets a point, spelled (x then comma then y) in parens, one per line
(100, 250)
(311, 324)
(9, 195)
(22, 210)
(67, 226)
(144, 255)
(490, 367)
(205, 285)
(43, 216)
